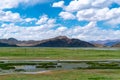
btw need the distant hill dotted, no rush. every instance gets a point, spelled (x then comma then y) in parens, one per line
(63, 41)
(116, 45)
(10, 41)
(13, 41)
(111, 43)
(99, 45)
(60, 41)
(108, 43)
(7, 45)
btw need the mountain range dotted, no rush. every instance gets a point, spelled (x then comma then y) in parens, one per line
(116, 45)
(60, 41)
(106, 43)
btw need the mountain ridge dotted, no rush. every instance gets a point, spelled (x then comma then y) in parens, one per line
(116, 45)
(59, 41)
(107, 43)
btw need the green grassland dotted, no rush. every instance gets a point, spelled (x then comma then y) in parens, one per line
(67, 75)
(62, 54)
(58, 53)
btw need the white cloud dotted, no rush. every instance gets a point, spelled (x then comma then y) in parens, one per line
(61, 29)
(8, 16)
(97, 14)
(90, 10)
(67, 15)
(76, 5)
(116, 1)
(43, 19)
(30, 19)
(92, 32)
(58, 4)
(98, 3)
(7, 4)
(25, 33)
(51, 21)
(114, 21)
(88, 32)
(45, 27)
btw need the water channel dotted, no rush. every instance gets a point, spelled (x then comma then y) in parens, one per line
(34, 66)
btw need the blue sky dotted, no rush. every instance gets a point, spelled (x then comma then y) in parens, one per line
(42, 19)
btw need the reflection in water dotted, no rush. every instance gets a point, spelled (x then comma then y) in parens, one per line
(46, 65)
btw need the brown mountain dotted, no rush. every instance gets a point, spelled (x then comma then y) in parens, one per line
(99, 45)
(7, 45)
(10, 41)
(13, 41)
(60, 41)
(116, 45)
(63, 41)
(107, 43)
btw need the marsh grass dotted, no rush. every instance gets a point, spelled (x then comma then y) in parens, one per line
(58, 53)
(94, 74)
(64, 54)
(7, 66)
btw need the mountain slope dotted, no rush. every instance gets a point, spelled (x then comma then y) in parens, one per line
(63, 41)
(108, 43)
(10, 41)
(116, 45)
(7, 45)
(60, 41)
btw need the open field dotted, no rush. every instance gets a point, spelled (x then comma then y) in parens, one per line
(62, 54)
(68, 75)
(58, 53)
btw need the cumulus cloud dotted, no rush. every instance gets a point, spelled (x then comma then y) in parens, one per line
(46, 27)
(24, 33)
(8, 16)
(98, 14)
(62, 28)
(116, 1)
(58, 4)
(67, 15)
(7, 4)
(114, 22)
(90, 10)
(88, 32)
(46, 21)
(30, 19)
(43, 19)
(92, 32)
(76, 5)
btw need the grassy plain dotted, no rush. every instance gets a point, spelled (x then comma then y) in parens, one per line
(62, 54)
(68, 75)
(58, 53)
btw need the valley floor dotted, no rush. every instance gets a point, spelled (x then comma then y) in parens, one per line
(92, 74)
(59, 53)
(62, 54)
